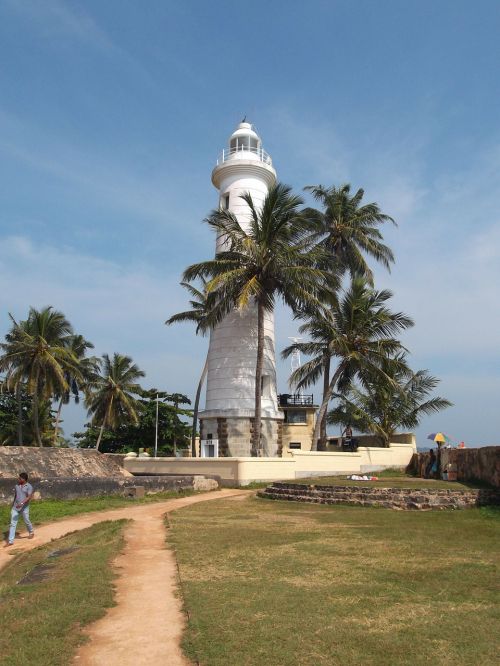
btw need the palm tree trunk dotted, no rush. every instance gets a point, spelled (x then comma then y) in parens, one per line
(326, 382)
(100, 435)
(323, 408)
(196, 406)
(36, 425)
(56, 429)
(257, 426)
(19, 415)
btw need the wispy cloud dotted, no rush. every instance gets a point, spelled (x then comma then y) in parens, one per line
(63, 23)
(151, 195)
(58, 18)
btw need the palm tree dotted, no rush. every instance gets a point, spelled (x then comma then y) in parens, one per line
(358, 332)
(200, 315)
(347, 230)
(315, 327)
(111, 399)
(36, 352)
(88, 368)
(270, 258)
(17, 384)
(382, 406)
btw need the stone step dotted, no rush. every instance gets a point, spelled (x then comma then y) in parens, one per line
(395, 498)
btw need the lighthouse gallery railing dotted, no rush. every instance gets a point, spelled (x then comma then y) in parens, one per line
(228, 153)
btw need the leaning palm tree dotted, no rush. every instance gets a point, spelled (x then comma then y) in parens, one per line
(357, 332)
(88, 368)
(268, 258)
(36, 352)
(111, 399)
(384, 404)
(347, 230)
(200, 315)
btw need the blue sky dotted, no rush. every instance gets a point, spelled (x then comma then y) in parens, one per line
(112, 115)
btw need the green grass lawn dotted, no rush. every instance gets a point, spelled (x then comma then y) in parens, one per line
(43, 511)
(41, 620)
(388, 479)
(291, 584)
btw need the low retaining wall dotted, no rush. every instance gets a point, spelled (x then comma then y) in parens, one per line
(297, 465)
(391, 498)
(72, 488)
(481, 464)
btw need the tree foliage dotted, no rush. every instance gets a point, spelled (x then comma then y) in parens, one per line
(397, 398)
(129, 436)
(358, 334)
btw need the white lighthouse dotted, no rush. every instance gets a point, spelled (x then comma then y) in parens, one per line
(226, 423)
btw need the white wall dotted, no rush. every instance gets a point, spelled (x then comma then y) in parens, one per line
(301, 464)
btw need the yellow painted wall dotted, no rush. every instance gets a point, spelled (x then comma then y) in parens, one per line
(299, 432)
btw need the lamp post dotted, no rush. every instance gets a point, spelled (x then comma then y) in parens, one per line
(156, 428)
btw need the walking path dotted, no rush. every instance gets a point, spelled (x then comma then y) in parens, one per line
(147, 622)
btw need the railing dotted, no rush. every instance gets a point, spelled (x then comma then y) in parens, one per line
(286, 399)
(228, 154)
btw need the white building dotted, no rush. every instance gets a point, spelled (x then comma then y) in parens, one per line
(227, 420)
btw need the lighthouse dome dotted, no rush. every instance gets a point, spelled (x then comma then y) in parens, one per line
(244, 138)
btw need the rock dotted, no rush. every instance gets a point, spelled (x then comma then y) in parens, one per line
(201, 483)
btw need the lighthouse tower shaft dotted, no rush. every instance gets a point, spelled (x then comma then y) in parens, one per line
(230, 400)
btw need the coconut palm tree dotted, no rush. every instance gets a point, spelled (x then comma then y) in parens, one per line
(88, 369)
(347, 230)
(382, 406)
(36, 352)
(358, 332)
(200, 315)
(111, 399)
(269, 258)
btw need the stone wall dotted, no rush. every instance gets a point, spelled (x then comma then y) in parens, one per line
(54, 462)
(235, 435)
(71, 473)
(392, 498)
(72, 488)
(481, 464)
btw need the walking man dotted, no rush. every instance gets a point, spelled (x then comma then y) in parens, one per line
(23, 492)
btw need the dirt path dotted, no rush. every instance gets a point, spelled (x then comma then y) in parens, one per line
(147, 622)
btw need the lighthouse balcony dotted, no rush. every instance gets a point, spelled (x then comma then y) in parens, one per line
(244, 152)
(295, 400)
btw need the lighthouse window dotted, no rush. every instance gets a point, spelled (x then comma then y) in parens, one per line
(224, 202)
(295, 416)
(244, 143)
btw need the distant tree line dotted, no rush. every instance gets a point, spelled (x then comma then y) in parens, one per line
(45, 365)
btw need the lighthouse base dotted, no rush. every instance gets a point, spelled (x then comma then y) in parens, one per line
(233, 435)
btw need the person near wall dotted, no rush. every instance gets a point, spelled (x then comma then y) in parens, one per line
(23, 492)
(431, 467)
(348, 441)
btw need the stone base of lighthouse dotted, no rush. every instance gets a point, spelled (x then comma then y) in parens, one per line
(226, 435)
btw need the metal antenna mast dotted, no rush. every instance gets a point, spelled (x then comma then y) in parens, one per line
(295, 360)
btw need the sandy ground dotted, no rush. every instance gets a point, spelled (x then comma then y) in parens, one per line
(147, 622)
